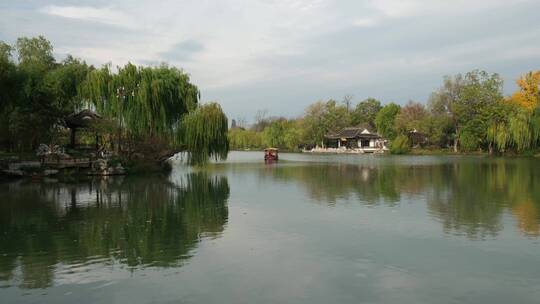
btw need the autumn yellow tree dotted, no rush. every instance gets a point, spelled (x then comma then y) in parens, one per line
(528, 95)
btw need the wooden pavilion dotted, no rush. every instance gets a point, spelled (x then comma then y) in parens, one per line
(82, 120)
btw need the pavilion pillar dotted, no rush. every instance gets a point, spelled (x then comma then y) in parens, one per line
(72, 138)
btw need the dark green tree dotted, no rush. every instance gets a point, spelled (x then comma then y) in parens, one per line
(323, 117)
(385, 120)
(467, 102)
(366, 111)
(9, 88)
(442, 105)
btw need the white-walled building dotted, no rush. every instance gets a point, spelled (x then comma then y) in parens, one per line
(356, 139)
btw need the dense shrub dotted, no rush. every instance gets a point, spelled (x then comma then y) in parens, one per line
(400, 145)
(468, 141)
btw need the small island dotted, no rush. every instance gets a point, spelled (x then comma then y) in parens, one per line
(71, 118)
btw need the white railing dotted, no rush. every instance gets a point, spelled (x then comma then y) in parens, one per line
(345, 150)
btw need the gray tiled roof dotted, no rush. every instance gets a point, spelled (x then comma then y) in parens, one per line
(82, 119)
(353, 133)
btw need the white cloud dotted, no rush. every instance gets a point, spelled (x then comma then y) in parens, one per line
(107, 15)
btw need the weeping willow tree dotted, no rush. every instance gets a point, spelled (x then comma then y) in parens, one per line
(516, 127)
(153, 105)
(205, 130)
(520, 129)
(534, 123)
(498, 134)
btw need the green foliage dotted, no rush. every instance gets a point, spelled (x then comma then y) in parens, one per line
(514, 126)
(292, 138)
(365, 112)
(385, 120)
(153, 104)
(282, 133)
(314, 118)
(205, 134)
(498, 132)
(400, 145)
(8, 91)
(5, 51)
(323, 117)
(518, 125)
(36, 93)
(241, 139)
(63, 83)
(480, 93)
(412, 116)
(439, 129)
(535, 126)
(35, 53)
(144, 100)
(469, 141)
(467, 103)
(274, 134)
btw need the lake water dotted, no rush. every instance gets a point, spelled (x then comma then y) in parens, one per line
(309, 229)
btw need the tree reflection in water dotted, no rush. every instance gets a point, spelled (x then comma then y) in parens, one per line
(138, 222)
(467, 196)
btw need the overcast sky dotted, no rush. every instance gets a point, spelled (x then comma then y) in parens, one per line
(281, 55)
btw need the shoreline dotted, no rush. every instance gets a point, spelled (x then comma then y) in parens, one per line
(413, 152)
(15, 166)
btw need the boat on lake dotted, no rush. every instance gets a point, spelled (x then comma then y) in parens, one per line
(271, 154)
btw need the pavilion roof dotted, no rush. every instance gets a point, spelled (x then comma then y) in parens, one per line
(82, 119)
(353, 132)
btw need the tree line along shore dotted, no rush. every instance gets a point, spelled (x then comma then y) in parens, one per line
(467, 114)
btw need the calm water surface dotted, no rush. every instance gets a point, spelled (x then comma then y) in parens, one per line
(310, 229)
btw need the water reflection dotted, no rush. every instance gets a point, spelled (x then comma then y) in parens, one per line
(469, 196)
(137, 222)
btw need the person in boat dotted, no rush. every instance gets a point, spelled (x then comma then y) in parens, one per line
(271, 154)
